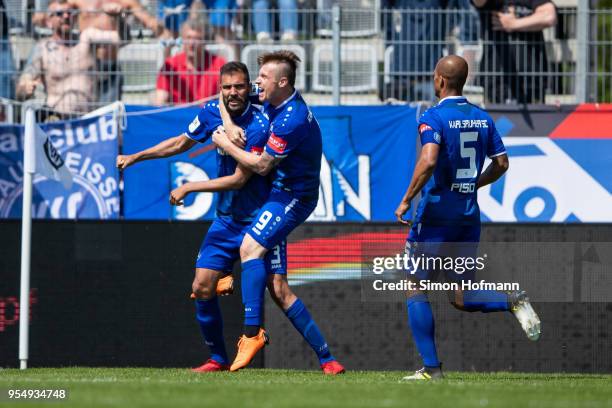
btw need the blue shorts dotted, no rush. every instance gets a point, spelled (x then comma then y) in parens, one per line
(455, 242)
(278, 217)
(221, 248)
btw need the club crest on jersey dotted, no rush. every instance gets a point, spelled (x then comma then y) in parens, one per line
(193, 126)
(277, 144)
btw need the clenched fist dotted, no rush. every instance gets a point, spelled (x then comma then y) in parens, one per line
(124, 161)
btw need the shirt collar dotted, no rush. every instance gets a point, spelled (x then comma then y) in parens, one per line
(286, 101)
(452, 98)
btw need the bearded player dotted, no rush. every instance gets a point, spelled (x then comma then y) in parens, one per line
(293, 157)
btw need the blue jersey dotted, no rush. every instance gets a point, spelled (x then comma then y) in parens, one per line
(465, 134)
(295, 134)
(241, 205)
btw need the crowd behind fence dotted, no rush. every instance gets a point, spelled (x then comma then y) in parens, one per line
(73, 60)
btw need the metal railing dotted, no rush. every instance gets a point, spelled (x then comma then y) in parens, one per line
(354, 54)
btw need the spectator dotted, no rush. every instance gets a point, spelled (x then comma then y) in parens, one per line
(7, 87)
(468, 33)
(288, 19)
(173, 13)
(63, 63)
(192, 74)
(221, 13)
(109, 15)
(417, 34)
(514, 65)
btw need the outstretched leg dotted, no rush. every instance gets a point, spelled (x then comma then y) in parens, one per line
(488, 301)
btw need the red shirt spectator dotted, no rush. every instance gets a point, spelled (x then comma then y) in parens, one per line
(192, 74)
(185, 83)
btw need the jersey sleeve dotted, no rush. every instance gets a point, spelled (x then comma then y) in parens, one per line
(495, 147)
(200, 127)
(284, 137)
(430, 129)
(257, 136)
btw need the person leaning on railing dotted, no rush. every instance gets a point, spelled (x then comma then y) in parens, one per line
(514, 65)
(62, 64)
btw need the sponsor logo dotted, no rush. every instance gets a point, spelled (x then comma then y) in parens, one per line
(257, 150)
(553, 193)
(463, 187)
(277, 144)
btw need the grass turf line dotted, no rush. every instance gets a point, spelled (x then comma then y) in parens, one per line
(149, 387)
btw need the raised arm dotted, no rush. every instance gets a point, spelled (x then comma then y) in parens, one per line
(169, 147)
(498, 166)
(422, 172)
(143, 16)
(234, 182)
(543, 16)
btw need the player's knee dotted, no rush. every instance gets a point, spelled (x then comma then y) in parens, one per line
(456, 299)
(201, 290)
(251, 249)
(457, 305)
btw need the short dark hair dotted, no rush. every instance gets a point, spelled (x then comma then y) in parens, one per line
(235, 66)
(285, 57)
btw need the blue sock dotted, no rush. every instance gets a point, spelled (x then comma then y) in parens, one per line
(208, 315)
(485, 301)
(421, 322)
(253, 287)
(302, 321)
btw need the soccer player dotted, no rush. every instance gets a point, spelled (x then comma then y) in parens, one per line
(239, 199)
(293, 151)
(455, 136)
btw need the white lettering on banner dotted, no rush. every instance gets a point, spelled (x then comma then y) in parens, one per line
(202, 201)
(360, 200)
(8, 143)
(101, 130)
(552, 193)
(94, 194)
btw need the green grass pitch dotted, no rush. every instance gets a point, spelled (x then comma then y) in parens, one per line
(148, 387)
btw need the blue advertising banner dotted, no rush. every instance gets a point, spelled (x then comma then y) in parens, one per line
(368, 156)
(89, 149)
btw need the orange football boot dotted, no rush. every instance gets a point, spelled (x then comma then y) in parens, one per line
(225, 286)
(247, 348)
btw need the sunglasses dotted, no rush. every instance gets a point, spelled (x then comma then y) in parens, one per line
(60, 13)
